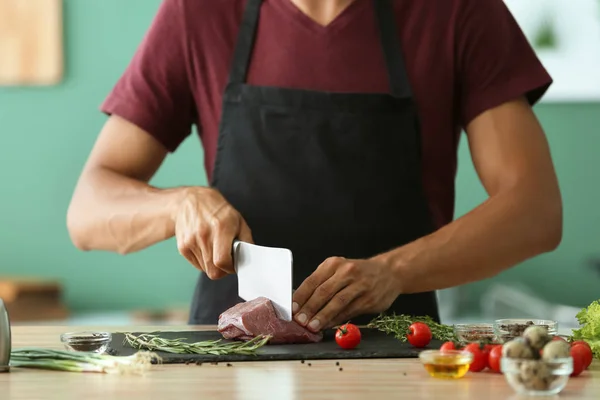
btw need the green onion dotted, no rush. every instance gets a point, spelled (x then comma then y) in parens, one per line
(75, 361)
(152, 342)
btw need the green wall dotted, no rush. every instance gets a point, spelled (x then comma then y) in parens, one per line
(48, 132)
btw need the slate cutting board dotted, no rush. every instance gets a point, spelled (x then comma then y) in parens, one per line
(374, 344)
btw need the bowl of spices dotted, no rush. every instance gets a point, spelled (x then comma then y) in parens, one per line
(92, 342)
(475, 333)
(508, 329)
(446, 364)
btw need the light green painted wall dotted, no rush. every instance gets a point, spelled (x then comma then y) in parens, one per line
(46, 134)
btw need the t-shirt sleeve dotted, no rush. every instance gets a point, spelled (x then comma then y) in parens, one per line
(154, 92)
(495, 61)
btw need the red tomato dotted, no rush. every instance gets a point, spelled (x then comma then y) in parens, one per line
(586, 353)
(479, 357)
(494, 358)
(578, 361)
(448, 346)
(348, 336)
(559, 338)
(419, 334)
(583, 342)
(487, 349)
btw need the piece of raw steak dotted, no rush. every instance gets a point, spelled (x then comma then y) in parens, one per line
(258, 317)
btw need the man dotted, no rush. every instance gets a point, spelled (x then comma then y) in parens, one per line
(330, 128)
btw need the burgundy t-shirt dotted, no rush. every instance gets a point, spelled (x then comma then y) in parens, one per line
(462, 56)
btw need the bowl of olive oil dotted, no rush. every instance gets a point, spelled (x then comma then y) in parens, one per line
(446, 364)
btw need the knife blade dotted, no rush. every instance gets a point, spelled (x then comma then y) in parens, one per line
(264, 271)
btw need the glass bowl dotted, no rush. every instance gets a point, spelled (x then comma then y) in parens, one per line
(446, 364)
(91, 342)
(471, 333)
(537, 377)
(508, 329)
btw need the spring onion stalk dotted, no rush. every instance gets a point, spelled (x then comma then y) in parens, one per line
(152, 342)
(72, 361)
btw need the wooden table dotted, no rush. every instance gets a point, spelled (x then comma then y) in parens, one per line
(359, 379)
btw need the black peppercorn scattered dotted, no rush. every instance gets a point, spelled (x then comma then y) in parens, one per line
(229, 365)
(337, 363)
(302, 361)
(404, 373)
(198, 362)
(309, 364)
(341, 369)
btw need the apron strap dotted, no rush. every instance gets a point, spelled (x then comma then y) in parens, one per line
(384, 11)
(245, 42)
(392, 50)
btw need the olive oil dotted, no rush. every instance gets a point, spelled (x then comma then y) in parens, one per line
(445, 368)
(446, 364)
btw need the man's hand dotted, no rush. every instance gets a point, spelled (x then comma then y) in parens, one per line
(341, 289)
(206, 226)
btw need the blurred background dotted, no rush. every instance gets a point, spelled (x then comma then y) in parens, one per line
(59, 59)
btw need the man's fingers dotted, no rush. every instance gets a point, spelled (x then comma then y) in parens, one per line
(224, 233)
(245, 234)
(336, 306)
(325, 271)
(205, 250)
(320, 299)
(188, 254)
(346, 314)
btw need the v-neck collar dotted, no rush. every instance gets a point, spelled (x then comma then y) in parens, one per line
(341, 20)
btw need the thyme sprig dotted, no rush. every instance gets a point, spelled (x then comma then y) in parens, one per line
(398, 325)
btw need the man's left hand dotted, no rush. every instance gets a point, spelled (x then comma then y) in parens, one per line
(341, 289)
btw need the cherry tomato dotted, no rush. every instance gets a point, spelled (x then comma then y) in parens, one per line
(419, 334)
(578, 361)
(583, 342)
(487, 349)
(348, 336)
(586, 354)
(448, 346)
(494, 358)
(479, 357)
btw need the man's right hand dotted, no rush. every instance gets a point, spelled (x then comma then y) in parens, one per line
(205, 227)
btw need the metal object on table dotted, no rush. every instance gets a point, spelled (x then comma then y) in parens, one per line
(5, 339)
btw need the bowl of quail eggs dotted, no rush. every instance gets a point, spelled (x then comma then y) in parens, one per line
(536, 363)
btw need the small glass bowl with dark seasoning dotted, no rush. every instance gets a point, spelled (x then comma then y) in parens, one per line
(475, 333)
(508, 329)
(91, 342)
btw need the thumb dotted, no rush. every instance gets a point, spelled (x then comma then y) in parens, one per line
(245, 234)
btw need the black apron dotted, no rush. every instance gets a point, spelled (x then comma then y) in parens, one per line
(323, 174)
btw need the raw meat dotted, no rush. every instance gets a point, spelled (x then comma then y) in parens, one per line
(258, 317)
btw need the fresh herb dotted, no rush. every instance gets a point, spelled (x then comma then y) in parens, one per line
(398, 325)
(73, 361)
(152, 342)
(589, 320)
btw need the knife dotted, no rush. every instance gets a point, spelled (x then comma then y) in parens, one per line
(265, 272)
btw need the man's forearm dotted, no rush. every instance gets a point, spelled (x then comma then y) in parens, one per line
(506, 229)
(114, 213)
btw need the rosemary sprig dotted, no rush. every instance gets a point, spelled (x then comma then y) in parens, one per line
(398, 325)
(153, 342)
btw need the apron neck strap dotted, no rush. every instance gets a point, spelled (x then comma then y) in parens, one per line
(384, 11)
(392, 50)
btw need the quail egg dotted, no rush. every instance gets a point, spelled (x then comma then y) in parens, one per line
(518, 348)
